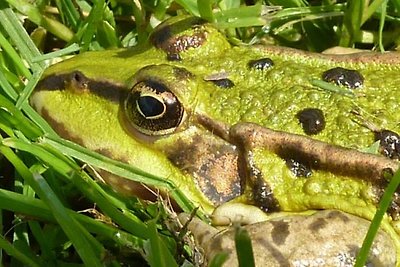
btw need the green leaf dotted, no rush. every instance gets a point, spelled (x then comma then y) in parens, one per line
(157, 253)
(244, 248)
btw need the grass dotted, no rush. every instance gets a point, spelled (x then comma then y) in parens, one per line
(44, 186)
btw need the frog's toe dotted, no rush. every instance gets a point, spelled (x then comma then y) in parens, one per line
(326, 238)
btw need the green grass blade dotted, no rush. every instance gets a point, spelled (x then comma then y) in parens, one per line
(244, 248)
(381, 25)
(158, 254)
(119, 168)
(376, 221)
(34, 14)
(59, 53)
(86, 247)
(219, 259)
(352, 22)
(15, 58)
(19, 255)
(36, 208)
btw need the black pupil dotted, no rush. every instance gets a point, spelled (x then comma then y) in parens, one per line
(150, 106)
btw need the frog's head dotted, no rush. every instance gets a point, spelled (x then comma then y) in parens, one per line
(140, 106)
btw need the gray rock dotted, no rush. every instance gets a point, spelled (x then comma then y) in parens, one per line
(326, 238)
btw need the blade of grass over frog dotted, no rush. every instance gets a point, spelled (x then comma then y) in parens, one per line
(332, 88)
(68, 12)
(38, 121)
(157, 252)
(190, 6)
(20, 37)
(87, 32)
(205, 8)
(59, 53)
(37, 209)
(17, 120)
(21, 256)
(6, 87)
(229, 4)
(16, 59)
(307, 18)
(89, 249)
(40, 237)
(84, 183)
(219, 259)
(372, 8)
(351, 22)
(119, 168)
(241, 22)
(376, 221)
(23, 98)
(382, 24)
(246, 16)
(34, 14)
(288, 13)
(244, 249)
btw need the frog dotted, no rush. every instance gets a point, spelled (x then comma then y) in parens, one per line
(271, 129)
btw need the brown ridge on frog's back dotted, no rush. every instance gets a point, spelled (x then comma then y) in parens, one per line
(390, 58)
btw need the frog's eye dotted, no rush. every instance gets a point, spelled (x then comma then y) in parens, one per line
(152, 109)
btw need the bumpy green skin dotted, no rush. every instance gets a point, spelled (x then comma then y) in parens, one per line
(270, 98)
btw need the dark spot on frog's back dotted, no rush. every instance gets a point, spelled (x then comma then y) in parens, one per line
(389, 143)
(212, 163)
(223, 83)
(260, 64)
(280, 232)
(298, 169)
(312, 120)
(341, 76)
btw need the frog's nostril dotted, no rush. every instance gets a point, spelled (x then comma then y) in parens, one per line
(78, 81)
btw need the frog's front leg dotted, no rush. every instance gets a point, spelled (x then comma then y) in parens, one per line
(314, 153)
(344, 179)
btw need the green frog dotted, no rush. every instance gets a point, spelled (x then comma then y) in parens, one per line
(274, 130)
